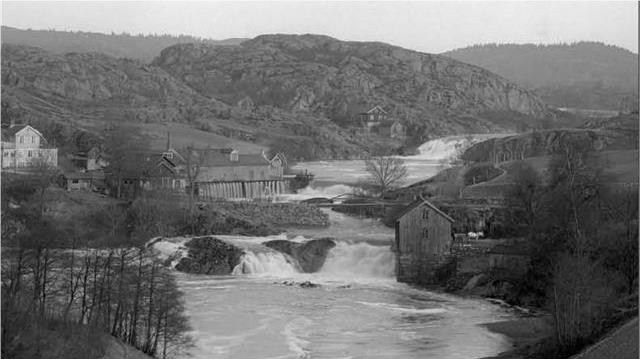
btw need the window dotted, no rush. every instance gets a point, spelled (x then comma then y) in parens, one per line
(21, 139)
(5, 154)
(425, 214)
(75, 181)
(33, 139)
(425, 233)
(29, 153)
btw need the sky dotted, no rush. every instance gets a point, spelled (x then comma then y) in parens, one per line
(427, 26)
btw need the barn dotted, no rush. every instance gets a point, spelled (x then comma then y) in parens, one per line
(422, 241)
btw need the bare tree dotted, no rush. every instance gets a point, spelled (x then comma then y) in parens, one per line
(385, 172)
(124, 152)
(193, 163)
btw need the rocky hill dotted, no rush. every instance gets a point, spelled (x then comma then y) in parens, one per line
(297, 94)
(91, 91)
(582, 75)
(139, 47)
(619, 133)
(337, 79)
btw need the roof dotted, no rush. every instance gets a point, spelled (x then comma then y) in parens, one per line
(378, 108)
(419, 202)
(221, 158)
(361, 109)
(10, 132)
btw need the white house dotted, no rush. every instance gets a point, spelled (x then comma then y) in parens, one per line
(23, 146)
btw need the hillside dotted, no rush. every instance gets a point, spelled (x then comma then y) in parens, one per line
(140, 47)
(297, 94)
(581, 75)
(336, 79)
(92, 91)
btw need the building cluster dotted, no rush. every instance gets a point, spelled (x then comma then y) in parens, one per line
(212, 172)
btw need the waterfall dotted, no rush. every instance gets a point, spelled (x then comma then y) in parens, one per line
(359, 260)
(269, 263)
(448, 147)
(345, 262)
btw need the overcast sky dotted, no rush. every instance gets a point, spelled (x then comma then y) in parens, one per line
(427, 26)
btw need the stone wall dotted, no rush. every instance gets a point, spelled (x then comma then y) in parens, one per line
(411, 268)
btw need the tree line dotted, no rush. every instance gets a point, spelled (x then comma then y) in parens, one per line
(583, 233)
(54, 275)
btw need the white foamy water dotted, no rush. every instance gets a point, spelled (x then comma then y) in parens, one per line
(432, 156)
(268, 263)
(359, 311)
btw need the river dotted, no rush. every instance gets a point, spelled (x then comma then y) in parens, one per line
(358, 311)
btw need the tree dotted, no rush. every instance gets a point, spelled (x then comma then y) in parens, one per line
(525, 195)
(125, 153)
(385, 172)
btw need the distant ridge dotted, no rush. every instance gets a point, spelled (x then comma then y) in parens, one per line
(583, 74)
(139, 47)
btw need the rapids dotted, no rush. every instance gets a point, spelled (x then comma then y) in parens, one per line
(358, 311)
(432, 156)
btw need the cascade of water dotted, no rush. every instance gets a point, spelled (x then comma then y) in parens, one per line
(359, 260)
(265, 263)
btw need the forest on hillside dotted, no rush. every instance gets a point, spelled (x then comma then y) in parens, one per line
(141, 47)
(582, 74)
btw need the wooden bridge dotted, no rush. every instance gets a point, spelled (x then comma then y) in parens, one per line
(367, 202)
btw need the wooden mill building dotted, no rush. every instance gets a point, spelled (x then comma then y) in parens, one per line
(422, 241)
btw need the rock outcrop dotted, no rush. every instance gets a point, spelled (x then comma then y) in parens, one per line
(296, 94)
(209, 255)
(310, 255)
(619, 133)
(336, 79)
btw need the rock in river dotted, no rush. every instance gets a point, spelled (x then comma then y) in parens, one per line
(310, 255)
(210, 255)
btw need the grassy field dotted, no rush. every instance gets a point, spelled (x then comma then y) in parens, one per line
(183, 135)
(619, 166)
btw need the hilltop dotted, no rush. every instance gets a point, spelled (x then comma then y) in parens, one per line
(587, 75)
(336, 79)
(298, 94)
(140, 47)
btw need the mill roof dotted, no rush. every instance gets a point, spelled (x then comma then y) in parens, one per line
(221, 158)
(419, 202)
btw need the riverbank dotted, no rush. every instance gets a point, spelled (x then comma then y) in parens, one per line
(525, 334)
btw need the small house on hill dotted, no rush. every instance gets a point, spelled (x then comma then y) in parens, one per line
(23, 146)
(89, 160)
(374, 115)
(397, 130)
(422, 241)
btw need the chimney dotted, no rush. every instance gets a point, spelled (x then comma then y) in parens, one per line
(233, 156)
(168, 140)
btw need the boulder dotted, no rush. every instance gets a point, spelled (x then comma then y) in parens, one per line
(475, 281)
(310, 255)
(209, 255)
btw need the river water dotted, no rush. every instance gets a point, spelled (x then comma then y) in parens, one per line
(357, 311)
